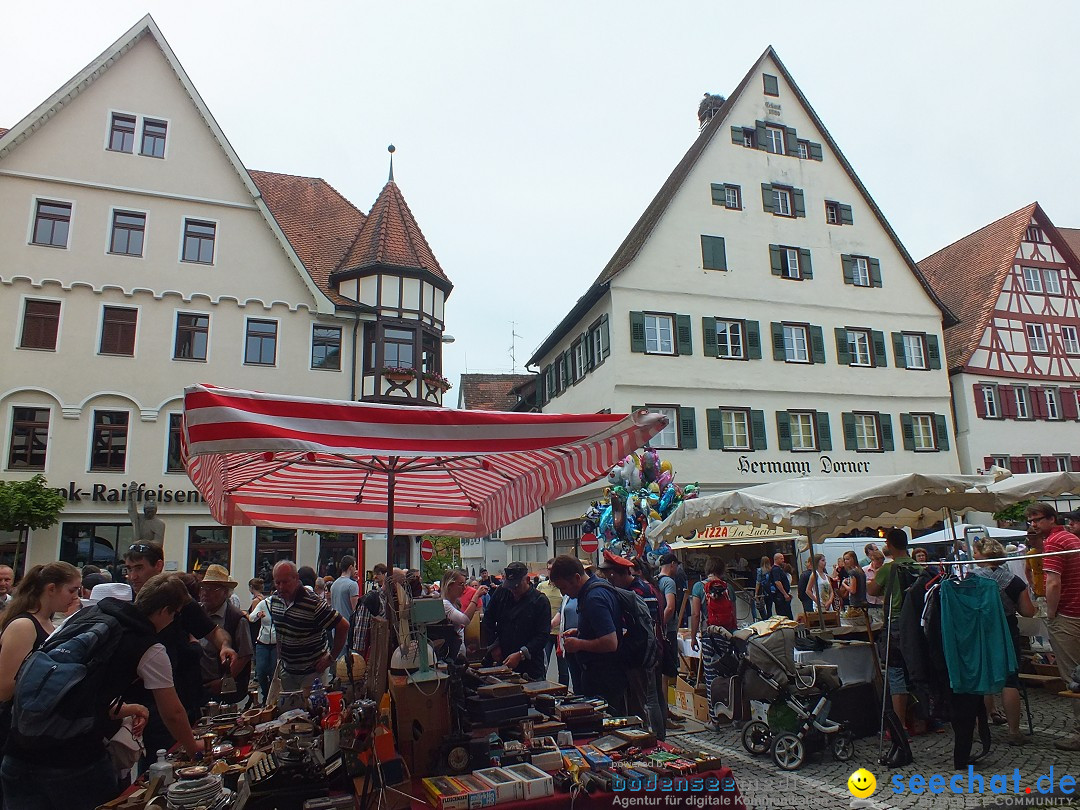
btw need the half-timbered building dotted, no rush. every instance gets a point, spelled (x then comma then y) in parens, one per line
(1014, 356)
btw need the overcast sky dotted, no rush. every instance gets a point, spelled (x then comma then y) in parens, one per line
(531, 136)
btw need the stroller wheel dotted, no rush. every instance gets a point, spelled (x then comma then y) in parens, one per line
(788, 752)
(843, 746)
(756, 738)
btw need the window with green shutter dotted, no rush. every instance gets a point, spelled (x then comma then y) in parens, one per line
(941, 431)
(713, 253)
(753, 340)
(933, 351)
(735, 429)
(783, 430)
(843, 355)
(637, 331)
(757, 430)
(715, 428)
(727, 195)
(899, 355)
(708, 334)
(800, 202)
(817, 345)
(767, 197)
(815, 151)
(867, 431)
(845, 215)
(684, 334)
(687, 427)
(772, 84)
(824, 432)
(875, 273)
(878, 339)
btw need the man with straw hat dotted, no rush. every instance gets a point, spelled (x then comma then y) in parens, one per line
(225, 684)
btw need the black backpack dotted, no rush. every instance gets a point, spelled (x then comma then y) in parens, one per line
(637, 645)
(64, 689)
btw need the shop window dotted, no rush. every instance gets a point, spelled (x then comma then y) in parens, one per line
(29, 438)
(100, 544)
(110, 441)
(209, 545)
(271, 546)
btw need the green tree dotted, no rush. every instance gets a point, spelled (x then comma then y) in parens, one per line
(1013, 514)
(447, 555)
(26, 505)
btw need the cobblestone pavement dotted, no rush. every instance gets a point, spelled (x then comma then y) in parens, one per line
(822, 782)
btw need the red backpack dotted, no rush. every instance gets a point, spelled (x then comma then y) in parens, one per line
(720, 608)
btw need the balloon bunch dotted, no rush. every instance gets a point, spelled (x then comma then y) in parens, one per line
(641, 490)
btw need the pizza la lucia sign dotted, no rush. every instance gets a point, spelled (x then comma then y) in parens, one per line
(738, 531)
(103, 493)
(825, 465)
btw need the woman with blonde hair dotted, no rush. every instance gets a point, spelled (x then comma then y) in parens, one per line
(1014, 598)
(452, 588)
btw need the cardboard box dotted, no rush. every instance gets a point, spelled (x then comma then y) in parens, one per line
(684, 696)
(446, 793)
(422, 722)
(701, 709)
(507, 787)
(534, 782)
(481, 791)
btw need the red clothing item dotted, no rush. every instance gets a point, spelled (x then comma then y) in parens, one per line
(1068, 567)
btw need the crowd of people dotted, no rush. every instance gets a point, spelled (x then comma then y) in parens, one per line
(183, 640)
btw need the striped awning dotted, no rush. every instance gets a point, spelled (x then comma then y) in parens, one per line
(270, 460)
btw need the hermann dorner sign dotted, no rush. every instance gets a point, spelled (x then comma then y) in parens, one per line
(825, 465)
(103, 493)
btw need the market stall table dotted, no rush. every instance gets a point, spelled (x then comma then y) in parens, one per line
(854, 660)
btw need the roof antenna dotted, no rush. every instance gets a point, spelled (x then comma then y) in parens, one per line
(513, 346)
(391, 149)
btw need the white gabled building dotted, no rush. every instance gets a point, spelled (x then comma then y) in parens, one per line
(1014, 357)
(138, 255)
(763, 301)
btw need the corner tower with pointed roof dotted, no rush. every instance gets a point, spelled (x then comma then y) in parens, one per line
(1014, 356)
(763, 302)
(391, 268)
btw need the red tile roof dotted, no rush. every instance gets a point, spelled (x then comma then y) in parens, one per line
(968, 276)
(318, 221)
(1072, 239)
(490, 392)
(391, 237)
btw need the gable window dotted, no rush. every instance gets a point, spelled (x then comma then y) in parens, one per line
(795, 344)
(118, 331)
(1023, 409)
(1031, 464)
(859, 347)
(749, 137)
(860, 271)
(260, 346)
(1036, 334)
(1033, 280)
(199, 240)
(772, 84)
(128, 230)
(804, 150)
(1052, 279)
(832, 213)
(735, 427)
(1070, 339)
(782, 202)
(326, 347)
(774, 140)
(1061, 463)
(192, 336)
(990, 401)
(803, 433)
(668, 438)
(729, 340)
(153, 138)
(659, 335)
(790, 262)
(110, 441)
(914, 351)
(733, 197)
(713, 253)
(398, 348)
(29, 438)
(41, 324)
(122, 133)
(173, 463)
(1050, 397)
(1034, 234)
(52, 221)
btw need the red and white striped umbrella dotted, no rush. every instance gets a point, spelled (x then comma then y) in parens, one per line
(270, 460)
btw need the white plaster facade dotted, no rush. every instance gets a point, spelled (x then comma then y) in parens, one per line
(61, 154)
(661, 268)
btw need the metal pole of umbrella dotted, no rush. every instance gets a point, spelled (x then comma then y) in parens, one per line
(390, 482)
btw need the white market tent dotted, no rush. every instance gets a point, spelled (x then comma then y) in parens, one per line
(1033, 486)
(828, 506)
(958, 533)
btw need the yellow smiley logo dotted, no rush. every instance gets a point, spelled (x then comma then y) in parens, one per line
(862, 783)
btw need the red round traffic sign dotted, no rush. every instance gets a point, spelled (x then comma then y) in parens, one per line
(589, 543)
(427, 550)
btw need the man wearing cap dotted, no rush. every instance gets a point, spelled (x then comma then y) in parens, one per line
(1072, 522)
(1062, 571)
(214, 593)
(516, 624)
(643, 697)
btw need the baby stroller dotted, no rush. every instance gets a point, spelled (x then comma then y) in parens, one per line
(798, 698)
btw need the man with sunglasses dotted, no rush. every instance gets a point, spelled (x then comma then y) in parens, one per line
(146, 560)
(1062, 573)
